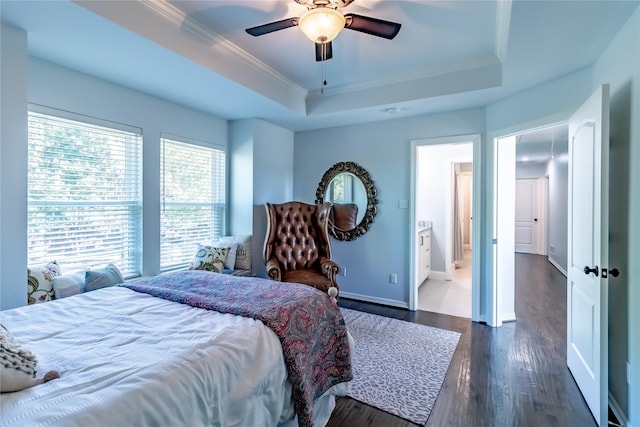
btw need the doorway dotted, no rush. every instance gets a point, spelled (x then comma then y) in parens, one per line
(530, 204)
(442, 217)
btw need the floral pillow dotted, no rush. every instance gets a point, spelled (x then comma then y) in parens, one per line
(18, 365)
(40, 282)
(209, 258)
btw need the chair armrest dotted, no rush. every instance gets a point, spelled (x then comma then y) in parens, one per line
(273, 269)
(329, 268)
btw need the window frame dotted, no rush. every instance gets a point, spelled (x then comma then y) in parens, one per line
(218, 226)
(132, 145)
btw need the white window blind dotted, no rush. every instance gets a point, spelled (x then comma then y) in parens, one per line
(193, 200)
(341, 188)
(85, 197)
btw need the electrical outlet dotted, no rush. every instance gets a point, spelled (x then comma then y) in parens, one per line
(552, 249)
(628, 373)
(393, 278)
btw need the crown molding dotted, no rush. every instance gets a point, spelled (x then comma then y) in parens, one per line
(408, 77)
(482, 73)
(210, 38)
(503, 20)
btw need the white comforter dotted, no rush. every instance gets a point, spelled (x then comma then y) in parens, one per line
(130, 359)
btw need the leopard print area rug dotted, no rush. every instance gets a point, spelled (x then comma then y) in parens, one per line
(398, 366)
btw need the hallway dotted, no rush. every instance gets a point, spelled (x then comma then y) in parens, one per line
(513, 375)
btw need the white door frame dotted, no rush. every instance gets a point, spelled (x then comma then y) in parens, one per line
(476, 140)
(504, 226)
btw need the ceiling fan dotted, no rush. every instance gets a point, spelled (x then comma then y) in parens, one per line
(322, 22)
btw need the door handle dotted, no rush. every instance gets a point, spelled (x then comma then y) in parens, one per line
(535, 219)
(595, 270)
(614, 272)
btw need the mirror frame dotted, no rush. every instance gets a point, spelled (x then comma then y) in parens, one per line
(370, 189)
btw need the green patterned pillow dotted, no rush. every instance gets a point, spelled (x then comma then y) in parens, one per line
(209, 258)
(40, 282)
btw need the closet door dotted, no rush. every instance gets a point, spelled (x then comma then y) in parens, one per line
(526, 223)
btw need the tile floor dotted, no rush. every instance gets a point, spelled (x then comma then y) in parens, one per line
(449, 297)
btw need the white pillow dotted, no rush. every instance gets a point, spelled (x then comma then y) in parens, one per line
(243, 252)
(18, 365)
(69, 284)
(230, 262)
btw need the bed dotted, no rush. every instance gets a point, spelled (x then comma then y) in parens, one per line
(153, 352)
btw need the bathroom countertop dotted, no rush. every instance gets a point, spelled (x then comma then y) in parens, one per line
(424, 225)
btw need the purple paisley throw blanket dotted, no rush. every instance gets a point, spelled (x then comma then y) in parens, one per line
(310, 327)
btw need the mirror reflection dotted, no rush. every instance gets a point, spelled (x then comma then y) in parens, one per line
(350, 190)
(349, 197)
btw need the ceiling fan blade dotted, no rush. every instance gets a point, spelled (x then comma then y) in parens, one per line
(272, 26)
(324, 51)
(373, 26)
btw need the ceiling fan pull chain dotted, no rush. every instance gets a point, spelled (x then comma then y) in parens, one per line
(324, 69)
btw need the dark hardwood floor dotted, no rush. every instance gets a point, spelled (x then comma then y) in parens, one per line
(515, 375)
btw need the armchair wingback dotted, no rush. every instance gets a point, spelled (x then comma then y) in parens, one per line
(297, 247)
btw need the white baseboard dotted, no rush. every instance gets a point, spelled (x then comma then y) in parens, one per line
(383, 301)
(615, 408)
(556, 265)
(508, 317)
(437, 275)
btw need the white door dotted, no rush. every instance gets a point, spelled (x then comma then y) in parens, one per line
(526, 227)
(466, 196)
(587, 310)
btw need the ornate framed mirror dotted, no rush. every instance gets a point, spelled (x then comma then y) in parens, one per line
(350, 189)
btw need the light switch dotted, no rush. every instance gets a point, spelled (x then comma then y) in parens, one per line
(403, 204)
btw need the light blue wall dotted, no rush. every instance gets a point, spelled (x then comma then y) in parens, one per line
(557, 230)
(552, 100)
(261, 171)
(241, 177)
(53, 86)
(620, 67)
(384, 149)
(530, 170)
(273, 179)
(13, 172)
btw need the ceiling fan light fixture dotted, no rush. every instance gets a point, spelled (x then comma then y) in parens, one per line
(322, 24)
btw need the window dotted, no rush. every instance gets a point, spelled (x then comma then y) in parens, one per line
(341, 188)
(84, 192)
(193, 200)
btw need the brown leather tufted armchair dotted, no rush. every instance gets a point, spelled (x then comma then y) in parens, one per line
(296, 247)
